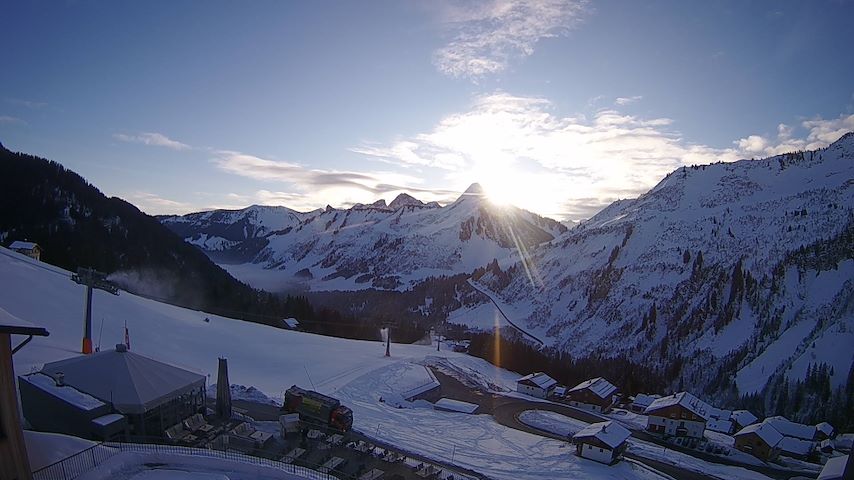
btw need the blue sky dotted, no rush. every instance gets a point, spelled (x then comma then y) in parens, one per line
(556, 106)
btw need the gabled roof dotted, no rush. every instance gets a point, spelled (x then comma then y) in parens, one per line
(539, 379)
(834, 469)
(685, 400)
(599, 386)
(743, 417)
(17, 244)
(716, 425)
(790, 428)
(825, 428)
(131, 382)
(644, 400)
(610, 433)
(766, 432)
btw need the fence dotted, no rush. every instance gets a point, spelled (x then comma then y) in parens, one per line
(86, 460)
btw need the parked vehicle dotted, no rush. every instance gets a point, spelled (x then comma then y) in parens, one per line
(318, 409)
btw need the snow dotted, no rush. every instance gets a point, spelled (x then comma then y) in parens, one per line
(795, 446)
(17, 244)
(552, 422)
(108, 419)
(456, 405)
(791, 429)
(540, 379)
(716, 425)
(169, 474)
(765, 431)
(744, 417)
(825, 428)
(610, 433)
(601, 387)
(45, 449)
(684, 399)
(834, 469)
(67, 393)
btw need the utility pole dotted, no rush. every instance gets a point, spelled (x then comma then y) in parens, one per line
(387, 326)
(91, 278)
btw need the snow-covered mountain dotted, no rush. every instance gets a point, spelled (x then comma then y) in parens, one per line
(727, 273)
(381, 246)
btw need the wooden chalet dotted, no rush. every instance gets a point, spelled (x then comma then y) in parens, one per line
(760, 440)
(602, 442)
(596, 394)
(680, 415)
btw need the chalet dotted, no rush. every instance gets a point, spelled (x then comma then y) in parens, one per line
(537, 385)
(680, 414)
(760, 440)
(641, 401)
(602, 442)
(792, 429)
(838, 468)
(596, 394)
(742, 418)
(13, 449)
(559, 392)
(824, 430)
(30, 249)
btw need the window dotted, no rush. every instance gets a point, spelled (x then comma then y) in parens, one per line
(601, 451)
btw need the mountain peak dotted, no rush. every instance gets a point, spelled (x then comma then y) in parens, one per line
(474, 189)
(403, 200)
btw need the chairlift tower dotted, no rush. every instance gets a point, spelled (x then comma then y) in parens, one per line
(387, 325)
(91, 278)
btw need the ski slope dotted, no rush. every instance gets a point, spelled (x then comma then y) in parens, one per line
(272, 360)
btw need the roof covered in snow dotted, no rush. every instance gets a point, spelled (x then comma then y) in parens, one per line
(825, 428)
(599, 386)
(19, 245)
(795, 446)
(684, 399)
(791, 429)
(456, 405)
(743, 417)
(834, 469)
(131, 382)
(291, 322)
(723, 426)
(610, 433)
(66, 393)
(766, 432)
(538, 379)
(108, 419)
(644, 400)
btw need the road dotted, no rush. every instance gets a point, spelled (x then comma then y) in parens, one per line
(498, 306)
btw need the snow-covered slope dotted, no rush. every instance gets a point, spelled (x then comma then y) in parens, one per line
(378, 245)
(740, 267)
(271, 360)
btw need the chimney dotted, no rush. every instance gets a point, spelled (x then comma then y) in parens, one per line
(60, 379)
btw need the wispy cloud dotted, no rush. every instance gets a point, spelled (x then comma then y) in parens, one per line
(26, 103)
(9, 120)
(318, 187)
(487, 35)
(152, 139)
(570, 166)
(627, 100)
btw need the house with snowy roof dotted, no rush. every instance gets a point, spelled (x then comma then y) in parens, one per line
(596, 394)
(792, 429)
(838, 468)
(602, 442)
(641, 401)
(536, 384)
(824, 430)
(30, 249)
(742, 418)
(796, 448)
(680, 414)
(760, 440)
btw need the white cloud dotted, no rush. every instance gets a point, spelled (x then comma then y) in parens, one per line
(570, 166)
(487, 35)
(820, 133)
(152, 139)
(627, 100)
(26, 103)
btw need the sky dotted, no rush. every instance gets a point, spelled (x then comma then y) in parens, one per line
(556, 106)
